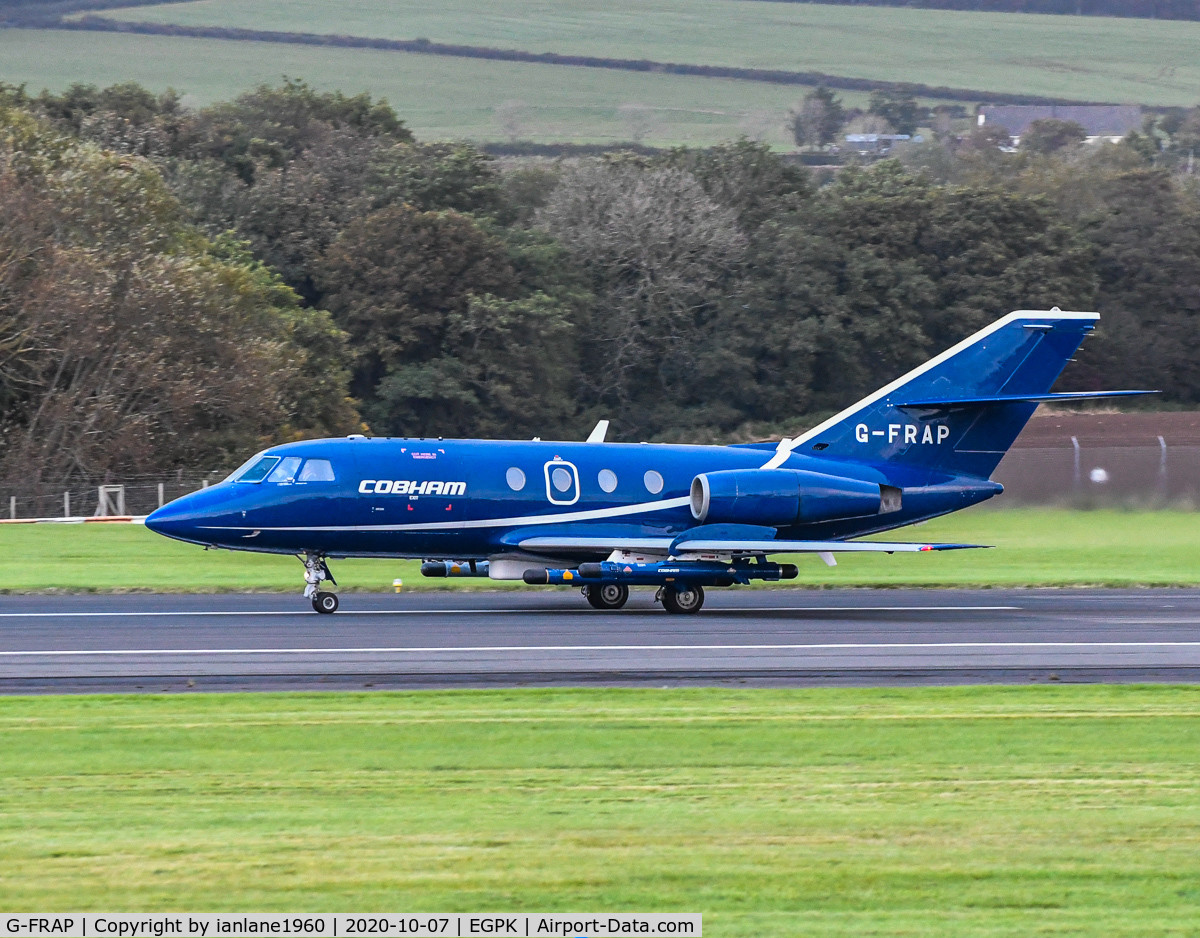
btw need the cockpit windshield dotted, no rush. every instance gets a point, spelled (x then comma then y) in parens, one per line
(286, 470)
(283, 470)
(254, 469)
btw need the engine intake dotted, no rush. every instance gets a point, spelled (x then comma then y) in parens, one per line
(782, 497)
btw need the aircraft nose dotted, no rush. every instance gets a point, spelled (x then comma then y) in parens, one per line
(181, 518)
(168, 520)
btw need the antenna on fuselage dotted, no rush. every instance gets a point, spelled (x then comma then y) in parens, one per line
(599, 432)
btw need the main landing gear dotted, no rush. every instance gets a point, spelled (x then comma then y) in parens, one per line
(606, 595)
(316, 570)
(681, 600)
(680, 582)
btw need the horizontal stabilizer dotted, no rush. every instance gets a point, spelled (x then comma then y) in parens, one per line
(1061, 397)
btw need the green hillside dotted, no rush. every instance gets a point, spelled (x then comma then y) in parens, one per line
(1086, 58)
(452, 97)
(438, 97)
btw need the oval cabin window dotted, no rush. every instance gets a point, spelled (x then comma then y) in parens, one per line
(561, 479)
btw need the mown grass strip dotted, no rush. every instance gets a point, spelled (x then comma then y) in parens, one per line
(904, 811)
(1033, 547)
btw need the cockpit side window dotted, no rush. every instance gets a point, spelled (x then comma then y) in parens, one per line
(317, 470)
(285, 472)
(255, 470)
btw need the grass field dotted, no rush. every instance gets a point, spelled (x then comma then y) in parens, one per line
(959, 812)
(1033, 547)
(438, 97)
(1086, 58)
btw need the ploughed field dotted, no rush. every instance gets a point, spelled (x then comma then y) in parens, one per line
(1102, 429)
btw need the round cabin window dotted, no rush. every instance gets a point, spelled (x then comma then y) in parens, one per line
(561, 479)
(607, 480)
(654, 482)
(515, 478)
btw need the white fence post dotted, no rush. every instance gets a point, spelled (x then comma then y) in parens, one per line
(12, 507)
(1162, 466)
(110, 501)
(66, 504)
(160, 495)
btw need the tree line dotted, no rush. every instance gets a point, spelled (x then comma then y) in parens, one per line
(179, 287)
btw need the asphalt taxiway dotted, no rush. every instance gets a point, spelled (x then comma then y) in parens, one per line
(550, 637)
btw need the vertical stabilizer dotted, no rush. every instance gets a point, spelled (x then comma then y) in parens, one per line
(960, 411)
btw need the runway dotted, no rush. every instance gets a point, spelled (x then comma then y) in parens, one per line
(153, 643)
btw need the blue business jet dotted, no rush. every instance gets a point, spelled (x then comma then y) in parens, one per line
(607, 516)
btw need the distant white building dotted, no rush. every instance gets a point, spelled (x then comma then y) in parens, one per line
(878, 143)
(1101, 121)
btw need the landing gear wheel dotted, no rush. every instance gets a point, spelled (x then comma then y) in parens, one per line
(325, 602)
(683, 600)
(607, 595)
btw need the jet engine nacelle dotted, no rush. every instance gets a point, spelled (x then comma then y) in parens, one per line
(780, 497)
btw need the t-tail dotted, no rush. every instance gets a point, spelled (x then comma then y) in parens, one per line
(960, 411)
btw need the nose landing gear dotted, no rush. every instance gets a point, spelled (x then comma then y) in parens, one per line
(316, 570)
(325, 602)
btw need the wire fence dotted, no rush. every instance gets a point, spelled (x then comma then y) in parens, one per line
(1071, 474)
(107, 498)
(1099, 476)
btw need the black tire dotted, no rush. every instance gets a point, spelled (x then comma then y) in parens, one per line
(326, 603)
(683, 600)
(607, 595)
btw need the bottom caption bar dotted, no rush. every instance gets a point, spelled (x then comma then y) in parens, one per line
(341, 924)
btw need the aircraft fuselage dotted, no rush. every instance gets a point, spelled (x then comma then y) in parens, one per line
(394, 497)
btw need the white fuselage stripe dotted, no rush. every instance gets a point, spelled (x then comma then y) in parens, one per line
(519, 520)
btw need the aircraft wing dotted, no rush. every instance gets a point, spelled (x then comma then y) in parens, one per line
(666, 545)
(557, 543)
(815, 547)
